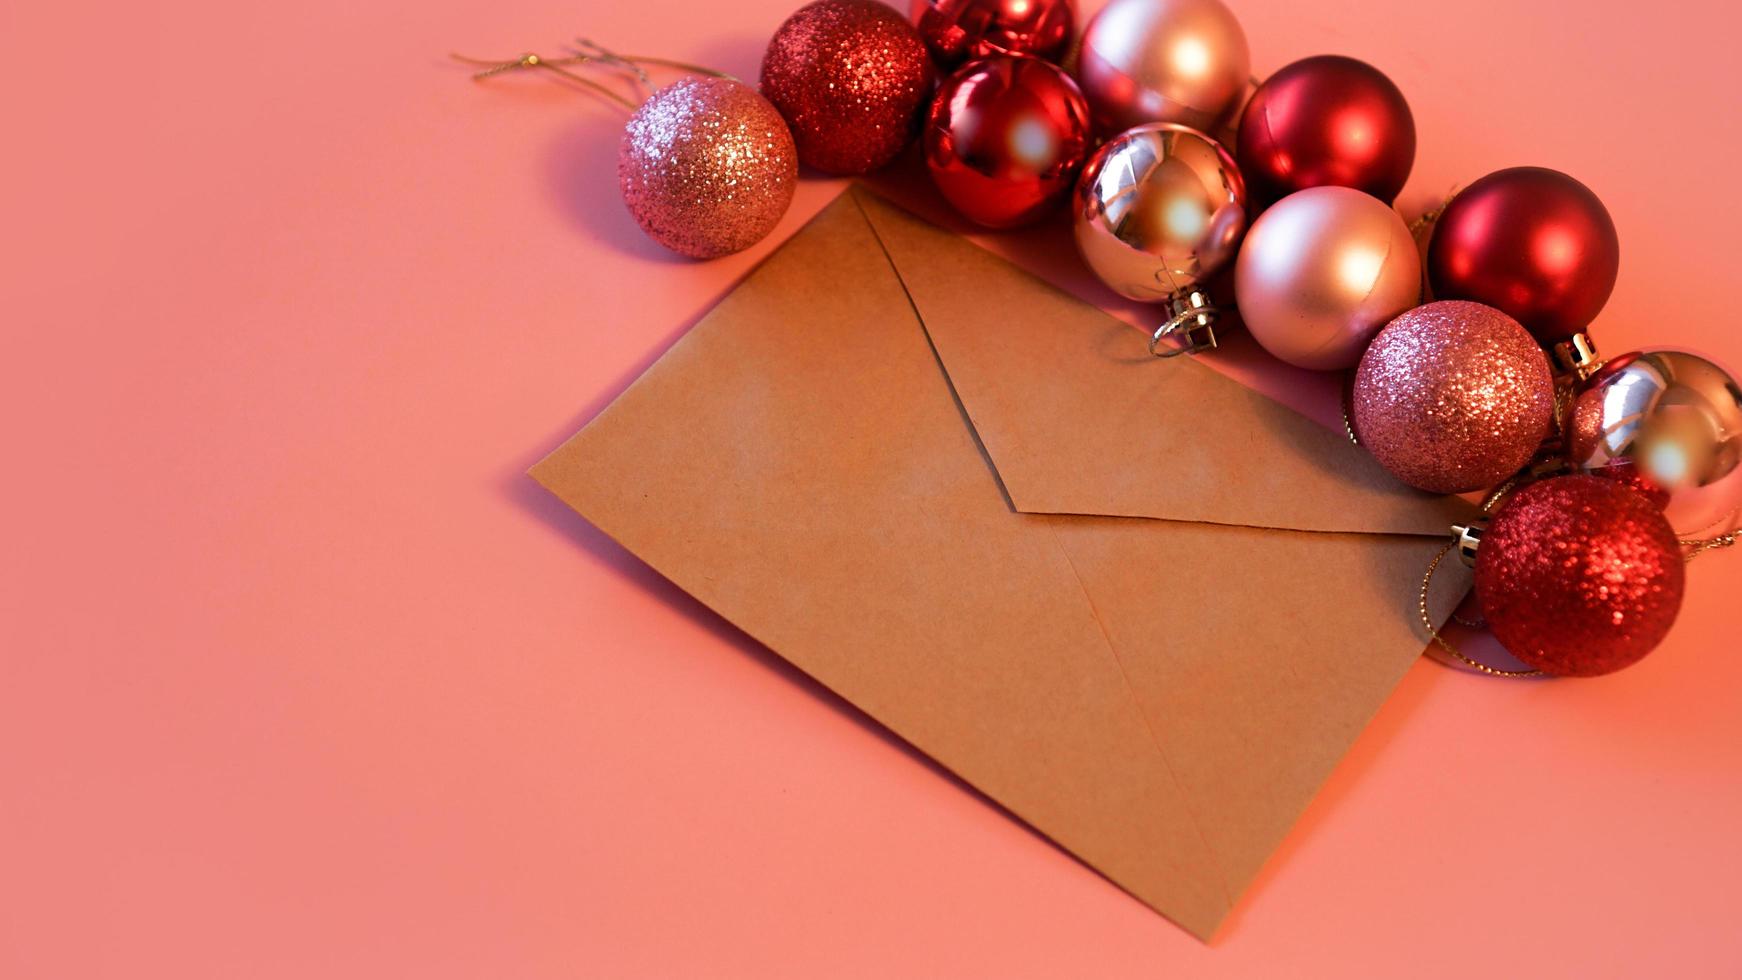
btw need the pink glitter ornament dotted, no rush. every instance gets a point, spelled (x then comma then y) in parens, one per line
(707, 167)
(851, 77)
(1579, 575)
(1452, 397)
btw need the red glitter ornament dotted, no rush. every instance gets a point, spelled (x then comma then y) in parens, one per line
(956, 30)
(1531, 242)
(1579, 575)
(850, 76)
(1326, 120)
(1452, 397)
(1005, 139)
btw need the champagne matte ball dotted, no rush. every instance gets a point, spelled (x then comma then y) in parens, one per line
(1321, 272)
(1178, 61)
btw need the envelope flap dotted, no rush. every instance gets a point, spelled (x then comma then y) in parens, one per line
(797, 463)
(1078, 418)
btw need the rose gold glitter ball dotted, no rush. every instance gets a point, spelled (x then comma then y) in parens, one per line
(1452, 397)
(850, 76)
(707, 167)
(1579, 575)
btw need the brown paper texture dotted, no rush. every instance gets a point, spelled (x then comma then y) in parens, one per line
(1143, 608)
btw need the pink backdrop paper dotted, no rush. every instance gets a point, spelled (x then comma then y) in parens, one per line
(300, 676)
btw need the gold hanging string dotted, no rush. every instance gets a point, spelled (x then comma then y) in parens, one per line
(1431, 215)
(1699, 546)
(1445, 644)
(1347, 394)
(643, 59)
(534, 61)
(1488, 504)
(1493, 500)
(587, 49)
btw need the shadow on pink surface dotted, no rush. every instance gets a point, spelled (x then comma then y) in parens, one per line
(580, 166)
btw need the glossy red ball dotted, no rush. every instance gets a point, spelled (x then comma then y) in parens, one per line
(1326, 120)
(851, 77)
(1531, 242)
(1005, 138)
(1579, 575)
(956, 30)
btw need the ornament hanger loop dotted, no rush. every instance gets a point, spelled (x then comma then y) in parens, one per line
(534, 60)
(1194, 317)
(1699, 546)
(635, 61)
(588, 49)
(1427, 218)
(1445, 644)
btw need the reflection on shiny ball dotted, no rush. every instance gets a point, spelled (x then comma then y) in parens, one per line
(1668, 422)
(1005, 138)
(1159, 209)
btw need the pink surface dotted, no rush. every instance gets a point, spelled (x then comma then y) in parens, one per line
(300, 677)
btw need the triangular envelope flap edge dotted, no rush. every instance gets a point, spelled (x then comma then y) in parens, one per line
(1078, 418)
(791, 506)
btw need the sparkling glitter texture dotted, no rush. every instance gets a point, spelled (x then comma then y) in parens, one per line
(1452, 397)
(850, 76)
(707, 167)
(1579, 575)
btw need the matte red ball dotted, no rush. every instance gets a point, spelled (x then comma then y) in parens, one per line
(1532, 242)
(957, 30)
(1579, 575)
(1005, 138)
(851, 77)
(1326, 120)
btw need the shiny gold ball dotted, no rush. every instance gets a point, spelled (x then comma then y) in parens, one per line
(1670, 423)
(1158, 209)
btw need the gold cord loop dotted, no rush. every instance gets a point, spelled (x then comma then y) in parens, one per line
(1699, 546)
(533, 60)
(1445, 644)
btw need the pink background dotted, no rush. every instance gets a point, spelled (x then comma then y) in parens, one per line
(300, 677)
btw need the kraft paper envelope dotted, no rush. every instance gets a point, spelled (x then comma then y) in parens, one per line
(1141, 606)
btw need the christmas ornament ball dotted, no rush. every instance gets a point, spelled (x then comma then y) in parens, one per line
(1158, 210)
(1668, 422)
(1179, 61)
(1579, 576)
(706, 167)
(1529, 241)
(1005, 138)
(1452, 397)
(957, 30)
(851, 77)
(1321, 271)
(1324, 120)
